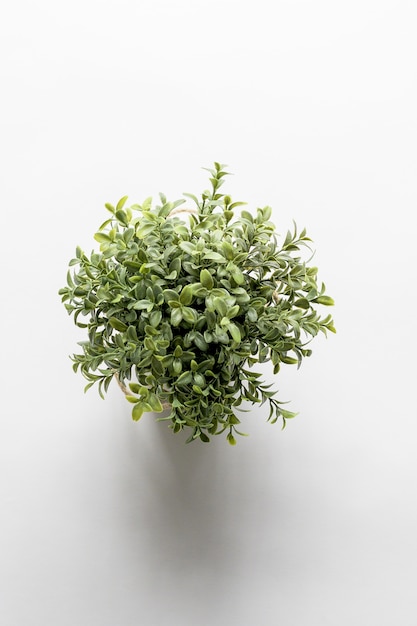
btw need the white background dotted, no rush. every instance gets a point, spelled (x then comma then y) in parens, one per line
(312, 104)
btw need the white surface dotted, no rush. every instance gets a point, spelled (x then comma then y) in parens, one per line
(109, 523)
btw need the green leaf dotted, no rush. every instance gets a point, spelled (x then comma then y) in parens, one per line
(186, 295)
(326, 300)
(235, 332)
(88, 386)
(238, 276)
(117, 324)
(147, 204)
(206, 279)
(102, 238)
(122, 217)
(193, 198)
(231, 439)
(132, 399)
(176, 316)
(142, 304)
(214, 256)
(121, 203)
(137, 411)
(233, 311)
(247, 216)
(155, 403)
(185, 378)
(189, 314)
(302, 303)
(200, 342)
(187, 247)
(266, 213)
(235, 204)
(155, 318)
(145, 229)
(220, 306)
(227, 248)
(171, 294)
(288, 360)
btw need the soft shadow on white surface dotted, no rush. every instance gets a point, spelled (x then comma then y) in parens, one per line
(198, 499)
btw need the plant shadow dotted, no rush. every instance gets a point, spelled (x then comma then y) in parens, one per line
(183, 503)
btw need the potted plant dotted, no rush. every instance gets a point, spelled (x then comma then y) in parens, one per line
(180, 304)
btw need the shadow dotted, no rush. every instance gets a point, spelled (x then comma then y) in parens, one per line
(193, 516)
(195, 498)
(181, 503)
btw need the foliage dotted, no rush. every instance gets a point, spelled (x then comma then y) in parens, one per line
(183, 307)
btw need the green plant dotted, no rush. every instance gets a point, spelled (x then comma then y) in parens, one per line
(186, 307)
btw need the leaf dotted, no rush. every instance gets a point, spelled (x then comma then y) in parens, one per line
(266, 213)
(184, 379)
(155, 318)
(220, 306)
(247, 216)
(186, 295)
(176, 316)
(171, 294)
(117, 324)
(206, 279)
(187, 247)
(235, 332)
(302, 303)
(214, 256)
(102, 238)
(155, 403)
(189, 314)
(121, 203)
(227, 248)
(326, 300)
(288, 360)
(142, 304)
(105, 223)
(149, 344)
(122, 217)
(233, 311)
(132, 399)
(137, 411)
(193, 198)
(145, 229)
(235, 204)
(88, 386)
(287, 414)
(238, 277)
(231, 439)
(200, 342)
(147, 203)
